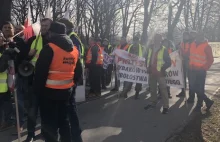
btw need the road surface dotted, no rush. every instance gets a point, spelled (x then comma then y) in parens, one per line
(111, 119)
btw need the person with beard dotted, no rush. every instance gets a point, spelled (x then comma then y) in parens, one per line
(54, 81)
(36, 43)
(21, 82)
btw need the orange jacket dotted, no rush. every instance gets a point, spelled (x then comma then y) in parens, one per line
(61, 70)
(201, 57)
(99, 57)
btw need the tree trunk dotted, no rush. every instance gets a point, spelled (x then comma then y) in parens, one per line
(5, 11)
(146, 21)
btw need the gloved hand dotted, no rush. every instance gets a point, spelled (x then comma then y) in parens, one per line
(10, 52)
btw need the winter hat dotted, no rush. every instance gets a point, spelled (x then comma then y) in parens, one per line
(58, 28)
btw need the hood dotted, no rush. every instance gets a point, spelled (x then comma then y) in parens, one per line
(63, 41)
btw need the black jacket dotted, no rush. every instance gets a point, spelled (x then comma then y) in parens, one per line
(3, 60)
(42, 69)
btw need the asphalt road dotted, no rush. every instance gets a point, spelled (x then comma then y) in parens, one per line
(111, 119)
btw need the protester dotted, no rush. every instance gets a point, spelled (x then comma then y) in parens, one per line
(184, 53)
(168, 44)
(158, 60)
(123, 46)
(94, 62)
(54, 81)
(21, 82)
(5, 95)
(18, 29)
(200, 61)
(36, 43)
(108, 48)
(135, 49)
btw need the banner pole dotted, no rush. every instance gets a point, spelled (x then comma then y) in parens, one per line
(17, 115)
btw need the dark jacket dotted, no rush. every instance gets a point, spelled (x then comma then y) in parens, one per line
(76, 42)
(42, 69)
(153, 67)
(3, 60)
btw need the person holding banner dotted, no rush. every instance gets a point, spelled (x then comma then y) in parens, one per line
(168, 44)
(157, 61)
(184, 52)
(108, 49)
(200, 60)
(94, 62)
(123, 46)
(135, 49)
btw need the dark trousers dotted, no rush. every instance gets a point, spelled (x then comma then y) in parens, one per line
(73, 118)
(22, 92)
(197, 85)
(128, 85)
(103, 77)
(6, 108)
(95, 78)
(109, 74)
(54, 116)
(33, 106)
(117, 81)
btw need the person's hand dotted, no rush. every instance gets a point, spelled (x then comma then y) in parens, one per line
(32, 52)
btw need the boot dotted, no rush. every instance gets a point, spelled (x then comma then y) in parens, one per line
(137, 95)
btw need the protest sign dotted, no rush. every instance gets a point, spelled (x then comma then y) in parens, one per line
(130, 67)
(215, 48)
(107, 59)
(174, 76)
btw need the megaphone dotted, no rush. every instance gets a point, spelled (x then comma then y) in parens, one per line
(25, 69)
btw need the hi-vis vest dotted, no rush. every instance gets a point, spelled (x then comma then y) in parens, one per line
(81, 44)
(140, 53)
(61, 71)
(99, 58)
(160, 61)
(39, 46)
(125, 48)
(197, 55)
(3, 81)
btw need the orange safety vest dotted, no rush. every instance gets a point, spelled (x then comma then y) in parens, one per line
(100, 56)
(185, 47)
(125, 48)
(61, 71)
(197, 55)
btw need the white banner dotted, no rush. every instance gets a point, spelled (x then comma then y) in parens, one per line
(174, 77)
(107, 59)
(215, 48)
(130, 67)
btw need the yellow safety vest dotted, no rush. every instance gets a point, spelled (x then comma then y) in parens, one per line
(3, 81)
(82, 46)
(160, 61)
(140, 54)
(39, 46)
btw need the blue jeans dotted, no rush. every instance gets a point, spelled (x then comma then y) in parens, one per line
(22, 90)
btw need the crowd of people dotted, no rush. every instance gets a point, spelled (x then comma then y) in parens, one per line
(58, 57)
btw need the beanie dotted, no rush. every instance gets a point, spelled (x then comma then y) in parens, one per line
(58, 28)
